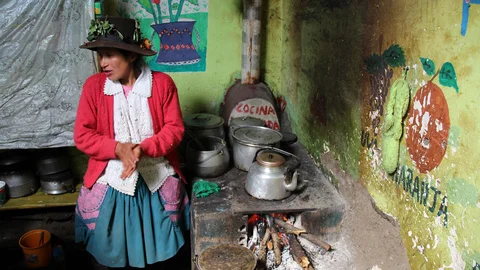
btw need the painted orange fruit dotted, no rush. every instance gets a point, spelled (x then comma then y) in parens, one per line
(428, 124)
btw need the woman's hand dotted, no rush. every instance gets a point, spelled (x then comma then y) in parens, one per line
(127, 171)
(124, 152)
(138, 151)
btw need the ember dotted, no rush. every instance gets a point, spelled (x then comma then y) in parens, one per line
(253, 219)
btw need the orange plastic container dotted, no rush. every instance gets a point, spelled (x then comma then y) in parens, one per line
(37, 251)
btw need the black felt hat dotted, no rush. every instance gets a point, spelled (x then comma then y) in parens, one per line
(117, 32)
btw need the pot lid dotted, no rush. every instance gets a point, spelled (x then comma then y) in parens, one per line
(203, 121)
(270, 159)
(246, 121)
(11, 160)
(257, 135)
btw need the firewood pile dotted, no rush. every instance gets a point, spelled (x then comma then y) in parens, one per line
(280, 243)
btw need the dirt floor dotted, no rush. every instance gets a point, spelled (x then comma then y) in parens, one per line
(370, 239)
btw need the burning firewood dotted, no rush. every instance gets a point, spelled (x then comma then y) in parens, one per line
(310, 237)
(275, 239)
(270, 245)
(262, 249)
(254, 240)
(297, 252)
(276, 247)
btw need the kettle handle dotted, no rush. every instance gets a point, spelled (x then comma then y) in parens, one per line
(293, 184)
(220, 152)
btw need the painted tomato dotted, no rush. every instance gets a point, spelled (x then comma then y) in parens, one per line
(428, 124)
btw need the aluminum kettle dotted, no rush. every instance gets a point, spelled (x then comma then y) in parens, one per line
(271, 177)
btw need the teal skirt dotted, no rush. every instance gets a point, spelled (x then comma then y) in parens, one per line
(121, 230)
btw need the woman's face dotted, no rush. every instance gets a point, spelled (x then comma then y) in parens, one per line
(114, 64)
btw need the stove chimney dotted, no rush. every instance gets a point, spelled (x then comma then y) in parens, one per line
(252, 14)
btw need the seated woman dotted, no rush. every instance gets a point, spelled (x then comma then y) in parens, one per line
(132, 206)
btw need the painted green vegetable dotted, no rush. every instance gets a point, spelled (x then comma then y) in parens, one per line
(397, 107)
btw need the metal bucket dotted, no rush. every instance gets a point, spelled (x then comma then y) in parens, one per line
(209, 159)
(226, 256)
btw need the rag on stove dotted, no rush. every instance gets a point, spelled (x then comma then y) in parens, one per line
(203, 188)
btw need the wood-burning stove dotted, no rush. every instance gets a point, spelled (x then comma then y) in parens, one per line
(223, 217)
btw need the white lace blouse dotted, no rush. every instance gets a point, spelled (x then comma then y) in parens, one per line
(133, 123)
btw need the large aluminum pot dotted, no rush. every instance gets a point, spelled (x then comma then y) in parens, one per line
(245, 121)
(204, 124)
(207, 156)
(52, 164)
(247, 141)
(58, 183)
(20, 183)
(18, 173)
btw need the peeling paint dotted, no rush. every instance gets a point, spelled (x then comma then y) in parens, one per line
(437, 240)
(326, 149)
(457, 261)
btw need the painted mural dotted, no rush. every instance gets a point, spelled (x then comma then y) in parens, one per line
(426, 129)
(177, 29)
(380, 68)
(419, 159)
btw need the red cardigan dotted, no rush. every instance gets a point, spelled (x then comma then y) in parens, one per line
(93, 132)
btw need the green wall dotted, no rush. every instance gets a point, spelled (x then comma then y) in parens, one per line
(313, 60)
(434, 192)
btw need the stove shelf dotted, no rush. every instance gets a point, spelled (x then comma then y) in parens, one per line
(42, 200)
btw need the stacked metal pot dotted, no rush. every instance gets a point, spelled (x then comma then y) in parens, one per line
(206, 152)
(55, 175)
(17, 172)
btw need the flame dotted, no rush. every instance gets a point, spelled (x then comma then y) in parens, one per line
(253, 219)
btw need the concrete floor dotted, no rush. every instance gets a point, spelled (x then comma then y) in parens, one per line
(60, 222)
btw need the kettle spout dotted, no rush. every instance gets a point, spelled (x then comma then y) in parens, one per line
(293, 183)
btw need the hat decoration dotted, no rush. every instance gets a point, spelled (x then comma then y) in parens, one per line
(117, 32)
